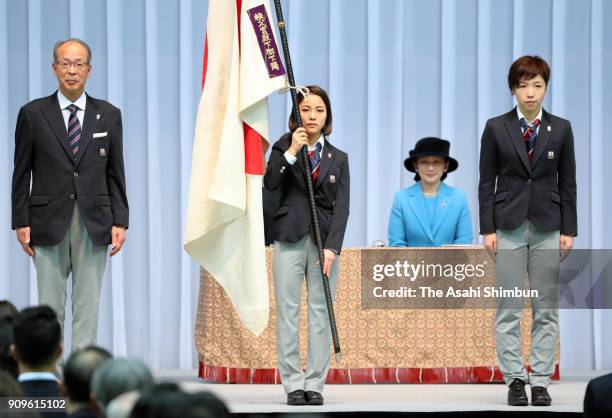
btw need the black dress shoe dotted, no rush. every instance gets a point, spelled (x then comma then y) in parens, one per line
(516, 393)
(540, 396)
(313, 398)
(296, 398)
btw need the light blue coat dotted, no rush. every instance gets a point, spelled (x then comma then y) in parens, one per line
(410, 224)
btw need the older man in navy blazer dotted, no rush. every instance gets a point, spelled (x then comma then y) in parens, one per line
(71, 146)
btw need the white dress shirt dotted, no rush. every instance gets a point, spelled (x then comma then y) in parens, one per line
(27, 376)
(64, 103)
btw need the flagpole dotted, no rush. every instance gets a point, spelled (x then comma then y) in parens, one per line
(313, 207)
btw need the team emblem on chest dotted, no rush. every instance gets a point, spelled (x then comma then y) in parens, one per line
(332, 179)
(102, 152)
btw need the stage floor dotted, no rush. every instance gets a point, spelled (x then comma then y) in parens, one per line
(567, 396)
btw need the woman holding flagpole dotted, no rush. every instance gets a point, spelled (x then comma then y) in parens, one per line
(295, 251)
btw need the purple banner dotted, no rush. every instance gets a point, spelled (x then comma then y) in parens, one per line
(265, 37)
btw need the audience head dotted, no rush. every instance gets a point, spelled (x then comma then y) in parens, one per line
(161, 400)
(204, 405)
(167, 400)
(7, 361)
(122, 405)
(7, 309)
(118, 376)
(78, 371)
(37, 338)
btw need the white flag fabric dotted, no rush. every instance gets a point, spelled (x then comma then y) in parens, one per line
(224, 228)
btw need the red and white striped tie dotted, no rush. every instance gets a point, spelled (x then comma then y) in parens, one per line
(529, 135)
(315, 161)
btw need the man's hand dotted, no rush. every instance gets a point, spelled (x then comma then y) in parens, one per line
(490, 244)
(330, 257)
(118, 238)
(23, 235)
(566, 243)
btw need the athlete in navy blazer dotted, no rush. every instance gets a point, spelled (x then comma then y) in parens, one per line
(512, 188)
(292, 220)
(527, 197)
(295, 251)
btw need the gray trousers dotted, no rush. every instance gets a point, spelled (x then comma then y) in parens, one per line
(523, 251)
(290, 264)
(76, 254)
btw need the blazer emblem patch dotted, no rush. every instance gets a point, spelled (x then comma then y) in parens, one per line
(102, 152)
(332, 179)
(551, 155)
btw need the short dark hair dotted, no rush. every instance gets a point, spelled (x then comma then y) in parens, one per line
(7, 309)
(317, 91)
(7, 362)
(527, 67)
(58, 44)
(204, 405)
(167, 400)
(160, 400)
(37, 335)
(78, 371)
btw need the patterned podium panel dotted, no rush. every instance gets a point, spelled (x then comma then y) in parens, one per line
(378, 345)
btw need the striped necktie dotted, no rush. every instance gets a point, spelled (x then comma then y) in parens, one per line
(315, 161)
(74, 129)
(530, 132)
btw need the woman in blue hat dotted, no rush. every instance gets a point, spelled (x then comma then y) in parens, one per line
(430, 213)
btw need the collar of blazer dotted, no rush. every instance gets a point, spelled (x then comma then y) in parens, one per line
(328, 154)
(417, 205)
(515, 132)
(53, 115)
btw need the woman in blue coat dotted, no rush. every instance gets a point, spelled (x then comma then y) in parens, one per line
(430, 213)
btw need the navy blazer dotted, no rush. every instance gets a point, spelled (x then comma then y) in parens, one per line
(513, 189)
(94, 178)
(331, 192)
(43, 388)
(410, 226)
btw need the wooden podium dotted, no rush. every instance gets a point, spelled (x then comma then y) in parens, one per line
(378, 345)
